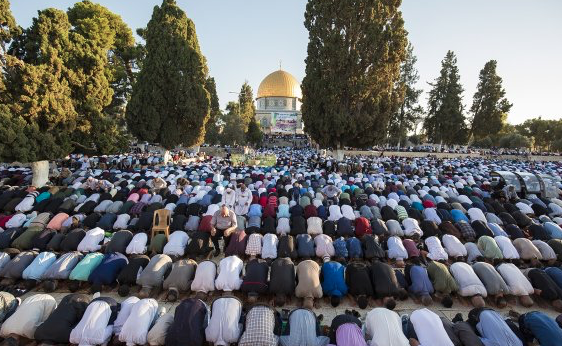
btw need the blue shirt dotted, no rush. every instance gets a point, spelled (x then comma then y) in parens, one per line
(553, 230)
(543, 328)
(40, 264)
(494, 330)
(555, 274)
(333, 279)
(421, 285)
(340, 248)
(106, 273)
(255, 210)
(458, 216)
(354, 249)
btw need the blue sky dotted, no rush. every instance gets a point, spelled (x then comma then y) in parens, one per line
(246, 39)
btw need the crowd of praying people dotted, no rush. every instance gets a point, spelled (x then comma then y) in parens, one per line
(245, 241)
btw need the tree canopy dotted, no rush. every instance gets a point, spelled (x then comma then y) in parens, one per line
(169, 104)
(354, 54)
(490, 107)
(247, 106)
(409, 112)
(212, 128)
(445, 122)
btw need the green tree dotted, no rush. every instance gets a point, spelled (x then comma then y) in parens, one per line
(514, 141)
(409, 112)
(169, 104)
(247, 106)
(355, 50)
(490, 107)
(445, 122)
(254, 135)
(542, 133)
(212, 129)
(8, 26)
(92, 43)
(233, 126)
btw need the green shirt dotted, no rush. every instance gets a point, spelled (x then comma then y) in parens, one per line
(441, 278)
(489, 248)
(86, 266)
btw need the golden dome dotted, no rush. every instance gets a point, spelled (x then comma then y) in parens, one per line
(279, 84)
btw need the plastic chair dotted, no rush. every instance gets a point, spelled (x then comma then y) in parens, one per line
(161, 222)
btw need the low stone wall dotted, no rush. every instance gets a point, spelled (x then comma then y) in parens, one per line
(451, 155)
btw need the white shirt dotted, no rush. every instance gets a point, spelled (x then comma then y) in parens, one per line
(16, 221)
(204, 280)
(30, 314)
(396, 249)
(122, 221)
(92, 328)
(176, 244)
(230, 272)
(136, 327)
(269, 246)
(394, 228)
(314, 224)
(137, 244)
(431, 215)
(335, 213)
(90, 242)
(473, 252)
(429, 328)
(124, 313)
(476, 214)
(385, 328)
(525, 208)
(469, 283)
(436, 250)
(223, 328)
(508, 250)
(411, 227)
(546, 251)
(518, 284)
(453, 246)
(283, 226)
(324, 246)
(347, 212)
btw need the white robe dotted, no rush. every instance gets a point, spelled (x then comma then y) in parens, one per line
(384, 327)
(137, 244)
(518, 284)
(269, 246)
(436, 250)
(124, 313)
(30, 314)
(136, 327)
(93, 328)
(230, 272)
(453, 246)
(229, 199)
(396, 249)
(224, 327)
(508, 250)
(469, 283)
(204, 280)
(90, 242)
(243, 200)
(176, 244)
(429, 328)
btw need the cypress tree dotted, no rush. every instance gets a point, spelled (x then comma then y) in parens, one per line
(8, 26)
(212, 129)
(445, 122)
(254, 135)
(233, 129)
(247, 106)
(409, 112)
(490, 107)
(169, 104)
(354, 54)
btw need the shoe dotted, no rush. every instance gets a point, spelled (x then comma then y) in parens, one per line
(458, 318)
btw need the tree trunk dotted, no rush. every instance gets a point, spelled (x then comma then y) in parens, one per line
(40, 170)
(339, 152)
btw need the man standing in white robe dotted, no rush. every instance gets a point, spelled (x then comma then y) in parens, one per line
(243, 200)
